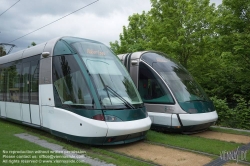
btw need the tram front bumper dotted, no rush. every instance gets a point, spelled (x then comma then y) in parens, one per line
(128, 127)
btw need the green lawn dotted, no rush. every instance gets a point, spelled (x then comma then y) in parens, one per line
(229, 131)
(9, 142)
(211, 146)
(14, 150)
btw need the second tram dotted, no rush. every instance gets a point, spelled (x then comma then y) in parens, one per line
(174, 101)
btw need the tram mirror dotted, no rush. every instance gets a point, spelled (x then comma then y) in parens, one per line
(134, 62)
(45, 54)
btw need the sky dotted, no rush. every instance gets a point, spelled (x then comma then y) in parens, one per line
(100, 20)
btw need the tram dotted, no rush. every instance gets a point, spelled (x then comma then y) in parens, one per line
(73, 88)
(173, 100)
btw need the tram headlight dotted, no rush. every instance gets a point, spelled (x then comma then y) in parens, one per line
(111, 118)
(107, 118)
(99, 117)
(192, 111)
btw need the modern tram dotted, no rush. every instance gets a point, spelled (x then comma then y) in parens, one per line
(73, 88)
(173, 100)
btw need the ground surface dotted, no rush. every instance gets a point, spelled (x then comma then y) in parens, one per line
(162, 155)
(233, 164)
(167, 156)
(224, 137)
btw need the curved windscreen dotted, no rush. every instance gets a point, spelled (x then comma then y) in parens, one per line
(112, 81)
(152, 89)
(69, 83)
(187, 92)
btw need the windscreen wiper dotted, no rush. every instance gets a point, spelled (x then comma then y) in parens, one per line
(120, 97)
(105, 89)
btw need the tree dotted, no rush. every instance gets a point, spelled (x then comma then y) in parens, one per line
(32, 44)
(2, 51)
(177, 27)
(134, 37)
(233, 44)
(181, 28)
(212, 43)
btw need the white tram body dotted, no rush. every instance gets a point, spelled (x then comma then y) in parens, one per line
(74, 88)
(174, 101)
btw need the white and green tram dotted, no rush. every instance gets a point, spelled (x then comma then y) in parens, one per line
(74, 88)
(174, 101)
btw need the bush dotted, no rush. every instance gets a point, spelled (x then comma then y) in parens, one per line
(238, 117)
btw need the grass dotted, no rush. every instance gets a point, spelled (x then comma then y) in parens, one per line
(119, 158)
(229, 131)
(8, 129)
(9, 144)
(211, 146)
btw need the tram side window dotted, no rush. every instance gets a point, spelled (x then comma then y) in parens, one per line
(1, 84)
(25, 82)
(34, 82)
(29, 85)
(69, 82)
(151, 87)
(7, 83)
(12, 82)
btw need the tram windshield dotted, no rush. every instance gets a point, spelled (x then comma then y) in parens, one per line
(186, 90)
(107, 71)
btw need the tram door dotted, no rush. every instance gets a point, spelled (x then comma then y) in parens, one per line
(29, 92)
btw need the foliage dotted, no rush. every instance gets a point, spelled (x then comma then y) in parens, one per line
(196, 143)
(134, 37)
(177, 27)
(229, 130)
(238, 117)
(213, 43)
(232, 26)
(2, 51)
(32, 44)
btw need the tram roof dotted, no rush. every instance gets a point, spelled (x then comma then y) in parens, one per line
(40, 48)
(135, 55)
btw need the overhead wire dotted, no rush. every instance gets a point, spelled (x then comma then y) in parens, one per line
(9, 8)
(54, 21)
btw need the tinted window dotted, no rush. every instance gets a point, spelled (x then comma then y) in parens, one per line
(29, 84)
(25, 82)
(107, 71)
(11, 84)
(19, 81)
(34, 82)
(69, 82)
(13, 79)
(1, 84)
(151, 87)
(186, 90)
